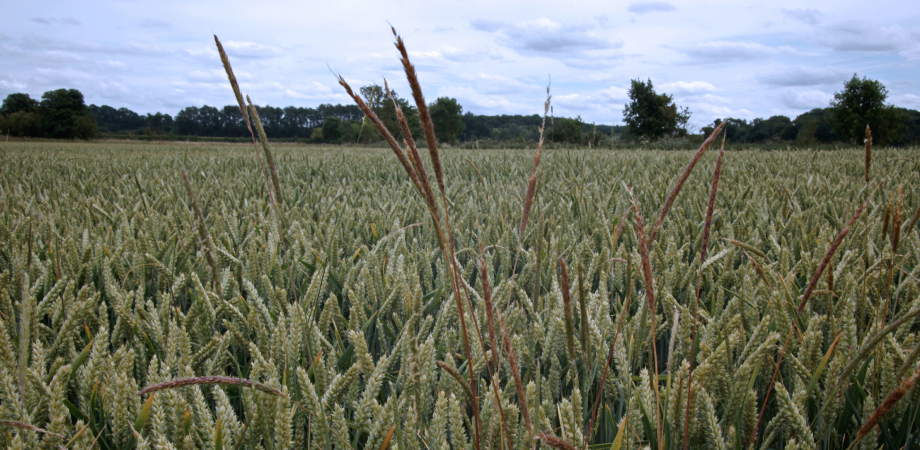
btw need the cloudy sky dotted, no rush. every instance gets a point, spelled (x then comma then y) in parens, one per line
(719, 58)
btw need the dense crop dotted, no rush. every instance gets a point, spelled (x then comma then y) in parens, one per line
(200, 298)
(105, 289)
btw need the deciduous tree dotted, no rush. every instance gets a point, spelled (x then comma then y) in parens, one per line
(861, 103)
(652, 115)
(447, 117)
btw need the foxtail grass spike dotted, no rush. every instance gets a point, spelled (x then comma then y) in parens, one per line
(680, 181)
(423, 115)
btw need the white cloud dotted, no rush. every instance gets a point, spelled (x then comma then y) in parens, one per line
(911, 101)
(614, 93)
(115, 65)
(647, 7)
(808, 16)
(249, 50)
(685, 87)
(715, 66)
(805, 100)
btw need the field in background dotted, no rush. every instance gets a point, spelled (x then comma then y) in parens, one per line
(105, 289)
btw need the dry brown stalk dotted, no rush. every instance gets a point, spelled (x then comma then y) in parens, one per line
(386, 440)
(868, 152)
(382, 130)
(890, 401)
(423, 115)
(896, 228)
(827, 257)
(192, 381)
(567, 310)
(650, 297)
(646, 262)
(532, 182)
(913, 221)
(445, 233)
(26, 426)
(680, 181)
(444, 237)
(456, 375)
(554, 441)
(414, 157)
(516, 373)
(869, 343)
(696, 306)
(805, 297)
(203, 234)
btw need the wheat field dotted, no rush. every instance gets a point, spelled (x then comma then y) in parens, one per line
(327, 319)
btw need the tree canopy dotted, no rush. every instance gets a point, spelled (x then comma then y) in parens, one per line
(18, 103)
(861, 103)
(447, 117)
(652, 115)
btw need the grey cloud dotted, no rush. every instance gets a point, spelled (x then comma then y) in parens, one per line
(443, 28)
(810, 16)
(52, 20)
(154, 23)
(647, 7)
(807, 77)
(498, 85)
(864, 37)
(726, 51)
(486, 25)
(130, 48)
(573, 44)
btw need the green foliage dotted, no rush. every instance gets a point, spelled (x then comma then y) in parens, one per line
(332, 130)
(651, 115)
(14, 103)
(816, 127)
(383, 105)
(64, 115)
(111, 120)
(774, 129)
(21, 124)
(567, 130)
(861, 103)
(447, 118)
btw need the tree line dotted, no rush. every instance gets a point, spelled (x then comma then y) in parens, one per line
(648, 116)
